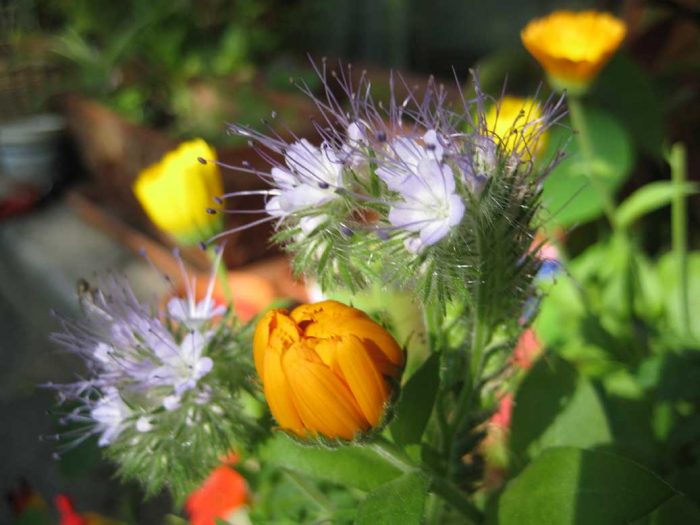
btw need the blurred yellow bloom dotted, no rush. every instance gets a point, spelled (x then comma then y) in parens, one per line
(177, 192)
(573, 47)
(517, 122)
(325, 368)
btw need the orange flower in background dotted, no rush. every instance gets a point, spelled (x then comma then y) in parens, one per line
(325, 368)
(573, 47)
(221, 494)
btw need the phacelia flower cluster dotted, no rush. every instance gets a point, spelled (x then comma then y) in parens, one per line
(155, 373)
(401, 189)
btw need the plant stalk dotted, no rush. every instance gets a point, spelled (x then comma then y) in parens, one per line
(679, 227)
(221, 274)
(578, 121)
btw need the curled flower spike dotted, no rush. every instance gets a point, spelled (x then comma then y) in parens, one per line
(177, 192)
(573, 47)
(517, 123)
(325, 369)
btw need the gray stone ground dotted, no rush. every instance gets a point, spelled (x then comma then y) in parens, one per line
(42, 255)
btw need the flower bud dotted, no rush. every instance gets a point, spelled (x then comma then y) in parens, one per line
(178, 192)
(573, 47)
(325, 369)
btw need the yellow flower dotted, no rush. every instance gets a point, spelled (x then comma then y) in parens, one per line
(573, 47)
(517, 122)
(177, 192)
(325, 368)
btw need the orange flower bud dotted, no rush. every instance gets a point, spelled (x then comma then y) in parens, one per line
(573, 47)
(325, 368)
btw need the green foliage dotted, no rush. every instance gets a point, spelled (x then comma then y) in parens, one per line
(416, 403)
(353, 465)
(649, 198)
(630, 95)
(568, 194)
(554, 407)
(401, 500)
(568, 486)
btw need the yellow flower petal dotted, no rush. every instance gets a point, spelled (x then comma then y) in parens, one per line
(360, 373)
(176, 192)
(516, 122)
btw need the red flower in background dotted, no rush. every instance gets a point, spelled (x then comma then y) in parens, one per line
(68, 514)
(526, 349)
(220, 495)
(502, 417)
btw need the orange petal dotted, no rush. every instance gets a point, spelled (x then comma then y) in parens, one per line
(278, 393)
(275, 328)
(323, 401)
(360, 372)
(371, 334)
(324, 310)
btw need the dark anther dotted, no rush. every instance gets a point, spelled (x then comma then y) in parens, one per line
(218, 200)
(203, 245)
(323, 185)
(211, 211)
(381, 136)
(202, 160)
(345, 230)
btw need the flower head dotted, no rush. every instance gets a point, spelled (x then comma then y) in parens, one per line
(404, 188)
(178, 192)
(428, 204)
(155, 373)
(573, 47)
(325, 369)
(517, 124)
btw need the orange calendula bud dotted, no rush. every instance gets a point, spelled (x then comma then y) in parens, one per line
(573, 47)
(518, 124)
(325, 368)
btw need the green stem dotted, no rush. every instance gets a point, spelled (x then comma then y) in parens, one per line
(578, 121)
(679, 226)
(311, 492)
(388, 452)
(443, 488)
(452, 495)
(222, 274)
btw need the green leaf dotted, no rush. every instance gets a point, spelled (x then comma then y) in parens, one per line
(678, 510)
(628, 92)
(568, 193)
(649, 198)
(554, 406)
(416, 403)
(399, 501)
(569, 486)
(670, 281)
(352, 465)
